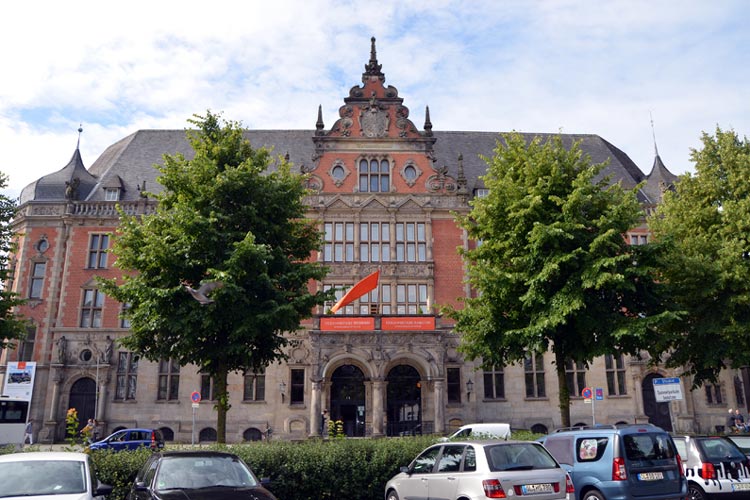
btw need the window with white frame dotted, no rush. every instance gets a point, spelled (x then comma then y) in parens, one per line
(36, 286)
(169, 380)
(411, 242)
(127, 376)
(111, 194)
(91, 309)
(386, 298)
(374, 175)
(575, 374)
(374, 242)
(494, 382)
(98, 244)
(533, 367)
(255, 386)
(26, 348)
(338, 243)
(638, 239)
(614, 366)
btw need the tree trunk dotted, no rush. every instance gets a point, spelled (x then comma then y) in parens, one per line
(222, 403)
(562, 385)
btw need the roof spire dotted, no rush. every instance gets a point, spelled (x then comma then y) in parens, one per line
(653, 134)
(427, 122)
(372, 68)
(319, 124)
(80, 129)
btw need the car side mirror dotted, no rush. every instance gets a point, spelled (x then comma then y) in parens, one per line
(103, 490)
(140, 486)
(405, 469)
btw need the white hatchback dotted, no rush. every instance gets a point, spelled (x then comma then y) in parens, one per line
(49, 476)
(481, 469)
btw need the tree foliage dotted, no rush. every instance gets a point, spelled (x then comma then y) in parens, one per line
(552, 269)
(12, 326)
(224, 217)
(704, 228)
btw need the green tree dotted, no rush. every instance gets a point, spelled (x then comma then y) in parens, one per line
(223, 218)
(552, 269)
(12, 327)
(704, 227)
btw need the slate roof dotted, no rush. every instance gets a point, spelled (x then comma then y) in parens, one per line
(130, 161)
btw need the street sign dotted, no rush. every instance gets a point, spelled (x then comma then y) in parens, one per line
(587, 393)
(196, 405)
(667, 389)
(195, 397)
(599, 394)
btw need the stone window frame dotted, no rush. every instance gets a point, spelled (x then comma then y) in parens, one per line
(402, 172)
(339, 181)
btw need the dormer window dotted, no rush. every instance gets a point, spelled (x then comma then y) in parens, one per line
(111, 194)
(374, 175)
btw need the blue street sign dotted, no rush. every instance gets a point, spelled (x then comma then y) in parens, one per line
(664, 380)
(599, 393)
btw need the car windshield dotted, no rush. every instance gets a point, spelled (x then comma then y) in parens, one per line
(518, 456)
(192, 472)
(35, 477)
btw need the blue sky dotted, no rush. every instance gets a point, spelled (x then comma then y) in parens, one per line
(594, 67)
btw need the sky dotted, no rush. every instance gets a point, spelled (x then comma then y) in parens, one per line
(629, 71)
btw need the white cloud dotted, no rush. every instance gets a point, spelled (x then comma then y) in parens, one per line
(485, 65)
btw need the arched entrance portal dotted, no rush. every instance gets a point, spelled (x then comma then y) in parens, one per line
(657, 413)
(404, 401)
(348, 399)
(83, 399)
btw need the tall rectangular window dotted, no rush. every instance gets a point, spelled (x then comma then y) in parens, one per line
(411, 242)
(533, 367)
(713, 394)
(127, 376)
(739, 391)
(98, 245)
(338, 242)
(453, 384)
(374, 242)
(297, 389)
(91, 309)
(374, 176)
(494, 383)
(411, 299)
(255, 386)
(124, 320)
(208, 387)
(615, 368)
(169, 380)
(575, 373)
(37, 279)
(26, 350)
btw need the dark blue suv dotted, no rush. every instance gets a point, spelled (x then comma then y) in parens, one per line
(633, 462)
(130, 439)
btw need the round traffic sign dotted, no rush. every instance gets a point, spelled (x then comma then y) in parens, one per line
(586, 393)
(195, 397)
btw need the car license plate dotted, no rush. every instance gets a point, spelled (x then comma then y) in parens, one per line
(650, 476)
(535, 489)
(740, 486)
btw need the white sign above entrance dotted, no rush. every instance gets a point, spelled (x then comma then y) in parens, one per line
(667, 389)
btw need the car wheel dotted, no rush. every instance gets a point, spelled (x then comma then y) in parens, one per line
(392, 495)
(696, 493)
(592, 495)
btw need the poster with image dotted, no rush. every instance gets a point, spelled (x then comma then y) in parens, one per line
(19, 379)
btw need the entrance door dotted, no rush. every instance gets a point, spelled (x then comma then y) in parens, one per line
(348, 399)
(404, 407)
(83, 399)
(657, 413)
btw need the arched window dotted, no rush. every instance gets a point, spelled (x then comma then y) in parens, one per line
(374, 175)
(252, 434)
(167, 433)
(539, 429)
(207, 435)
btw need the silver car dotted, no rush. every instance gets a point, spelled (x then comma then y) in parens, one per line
(481, 469)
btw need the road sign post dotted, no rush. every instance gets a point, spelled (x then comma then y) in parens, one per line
(195, 397)
(588, 397)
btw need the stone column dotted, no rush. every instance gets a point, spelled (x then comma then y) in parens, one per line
(315, 410)
(439, 396)
(378, 389)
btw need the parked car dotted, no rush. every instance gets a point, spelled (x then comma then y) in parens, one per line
(742, 441)
(481, 431)
(714, 466)
(206, 475)
(48, 475)
(620, 462)
(130, 439)
(479, 469)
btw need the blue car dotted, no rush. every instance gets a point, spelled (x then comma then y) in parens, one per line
(130, 439)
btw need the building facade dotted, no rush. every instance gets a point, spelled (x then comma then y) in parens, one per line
(385, 193)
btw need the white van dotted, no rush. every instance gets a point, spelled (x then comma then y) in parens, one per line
(481, 431)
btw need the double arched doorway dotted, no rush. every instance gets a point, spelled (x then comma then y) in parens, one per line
(349, 401)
